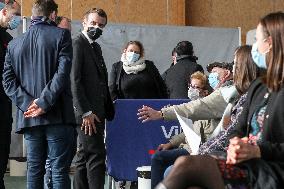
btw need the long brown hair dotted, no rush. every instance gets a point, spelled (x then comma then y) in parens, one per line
(273, 26)
(245, 70)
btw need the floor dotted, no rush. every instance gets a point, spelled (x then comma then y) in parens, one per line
(13, 182)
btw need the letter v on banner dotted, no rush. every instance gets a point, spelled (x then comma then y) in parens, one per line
(169, 134)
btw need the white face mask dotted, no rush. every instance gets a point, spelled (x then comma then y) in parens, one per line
(193, 94)
(132, 57)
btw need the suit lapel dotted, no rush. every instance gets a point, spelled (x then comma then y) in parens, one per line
(96, 59)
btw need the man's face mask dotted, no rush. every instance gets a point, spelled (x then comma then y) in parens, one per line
(132, 57)
(14, 22)
(94, 33)
(193, 94)
(213, 79)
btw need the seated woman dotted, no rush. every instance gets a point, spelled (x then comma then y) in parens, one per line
(255, 155)
(247, 72)
(133, 77)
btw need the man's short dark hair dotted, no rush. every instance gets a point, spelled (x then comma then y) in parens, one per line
(99, 11)
(44, 7)
(225, 65)
(184, 48)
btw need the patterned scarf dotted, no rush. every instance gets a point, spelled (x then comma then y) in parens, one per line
(221, 141)
(132, 68)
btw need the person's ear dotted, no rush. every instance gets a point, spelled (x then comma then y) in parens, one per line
(269, 40)
(227, 74)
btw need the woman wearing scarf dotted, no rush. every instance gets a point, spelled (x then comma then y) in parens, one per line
(133, 77)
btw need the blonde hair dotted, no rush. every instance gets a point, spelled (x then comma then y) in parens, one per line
(201, 77)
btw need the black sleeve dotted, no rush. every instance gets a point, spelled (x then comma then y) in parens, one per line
(113, 87)
(80, 100)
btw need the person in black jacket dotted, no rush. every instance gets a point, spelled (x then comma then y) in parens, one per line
(184, 65)
(133, 77)
(10, 10)
(91, 101)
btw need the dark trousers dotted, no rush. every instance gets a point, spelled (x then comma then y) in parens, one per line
(160, 161)
(90, 160)
(5, 141)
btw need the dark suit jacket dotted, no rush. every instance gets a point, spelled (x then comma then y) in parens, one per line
(38, 65)
(176, 77)
(89, 80)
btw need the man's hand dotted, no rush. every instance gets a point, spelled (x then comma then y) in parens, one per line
(241, 150)
(163, 147)
(147, 113)
(33, 110)
(89, 124)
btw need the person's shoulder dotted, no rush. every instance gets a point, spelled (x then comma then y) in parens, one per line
(117, 64)
(199, 68)
(78, 39)
(149, 62)
(16, 41)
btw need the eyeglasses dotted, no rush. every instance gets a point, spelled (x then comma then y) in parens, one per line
(195, 87)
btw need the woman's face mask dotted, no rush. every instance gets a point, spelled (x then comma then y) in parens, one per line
(193, 94)
(132, 57)
(258, 58)
(213, 79)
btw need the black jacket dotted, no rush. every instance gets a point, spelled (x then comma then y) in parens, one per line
(176, 77)
(38, 65)
(267, 172)
(117, 72)
(89, 81)
(5, 102)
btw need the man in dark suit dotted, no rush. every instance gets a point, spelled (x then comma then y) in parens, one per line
(184, 64)
(10, 10)
(36, 77)
(92, 102)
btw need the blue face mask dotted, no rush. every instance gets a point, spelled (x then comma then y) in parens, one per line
(257, 57)
(14, 22)
(132, 57)
(213, 79)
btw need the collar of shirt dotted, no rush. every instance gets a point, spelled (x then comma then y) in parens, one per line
(86, 35)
